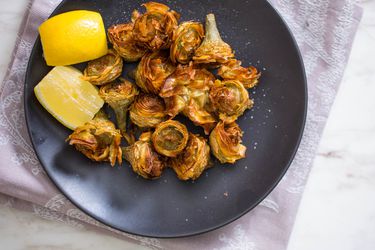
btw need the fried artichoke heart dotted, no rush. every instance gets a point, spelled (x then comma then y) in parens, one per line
(143, 158)
(98, 140)
(170, 138)
(229, 99)
(186, 91)
(225, 141)
(153, 70)
(119, 95)
(193, 160)
(147, 111)
(186, 82)
(186, 39)
(213, 50)
(104, 69)
(154, 29)
(122, 38)
(233, 70)
(200, 116)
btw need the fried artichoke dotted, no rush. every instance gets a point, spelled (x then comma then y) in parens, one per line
(147, 111)
(104, 69)
(187, 90)
(200, 116)
(143, 158)
(186, 39)
(233, 70)
(153, 70)
(213, 50)
(184, 83)
(119, 95)
(122, 38)
(229, 99)
(98, 140)
(193, 160)
(154, 29)
(170, 138)
(225, 142)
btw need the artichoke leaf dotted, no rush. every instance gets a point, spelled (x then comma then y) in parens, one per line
(233, 70)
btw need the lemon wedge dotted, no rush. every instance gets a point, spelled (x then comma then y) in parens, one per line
(71, 100)
(73, 37)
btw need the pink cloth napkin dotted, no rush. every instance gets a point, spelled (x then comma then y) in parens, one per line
(324, 31)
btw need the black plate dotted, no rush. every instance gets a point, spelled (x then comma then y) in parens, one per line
(168, 207)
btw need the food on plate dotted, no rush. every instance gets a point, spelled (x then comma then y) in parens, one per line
(191, 163)
(71, 100)
(122, 38)
(185, 83)
(104, 69)
(187, 91)
(119, 95)
(98, 140)
(143, 158)
(186, 39)
(154, 29)
(233, 70)
(147, 111)
(213, 50)
(174, 77)
(200, 116)
(229, 99)
(152, 71)
(225, 142)
(73, 37)
(170, 138)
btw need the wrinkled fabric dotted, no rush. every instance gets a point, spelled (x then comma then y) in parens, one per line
(324, 31)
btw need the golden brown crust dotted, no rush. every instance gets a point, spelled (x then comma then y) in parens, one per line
(122, 38)
(186, 39)
(98, 140)
(191, 163)
(143, 158)
(147, 111)
(170, 138)
(225, 141)
(154, 29)
(104, 69)
(153, 70)
(233, 70)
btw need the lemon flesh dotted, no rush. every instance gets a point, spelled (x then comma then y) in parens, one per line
(71, 100)
(73, 37)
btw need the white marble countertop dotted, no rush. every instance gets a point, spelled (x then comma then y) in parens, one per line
(338, 207)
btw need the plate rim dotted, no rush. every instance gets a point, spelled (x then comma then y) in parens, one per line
(198, 232)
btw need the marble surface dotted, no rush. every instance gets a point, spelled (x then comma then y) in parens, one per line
(337, 209)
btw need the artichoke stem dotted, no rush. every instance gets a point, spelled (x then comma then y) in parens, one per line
(212, 33)
(121, 119)
(121, 116)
